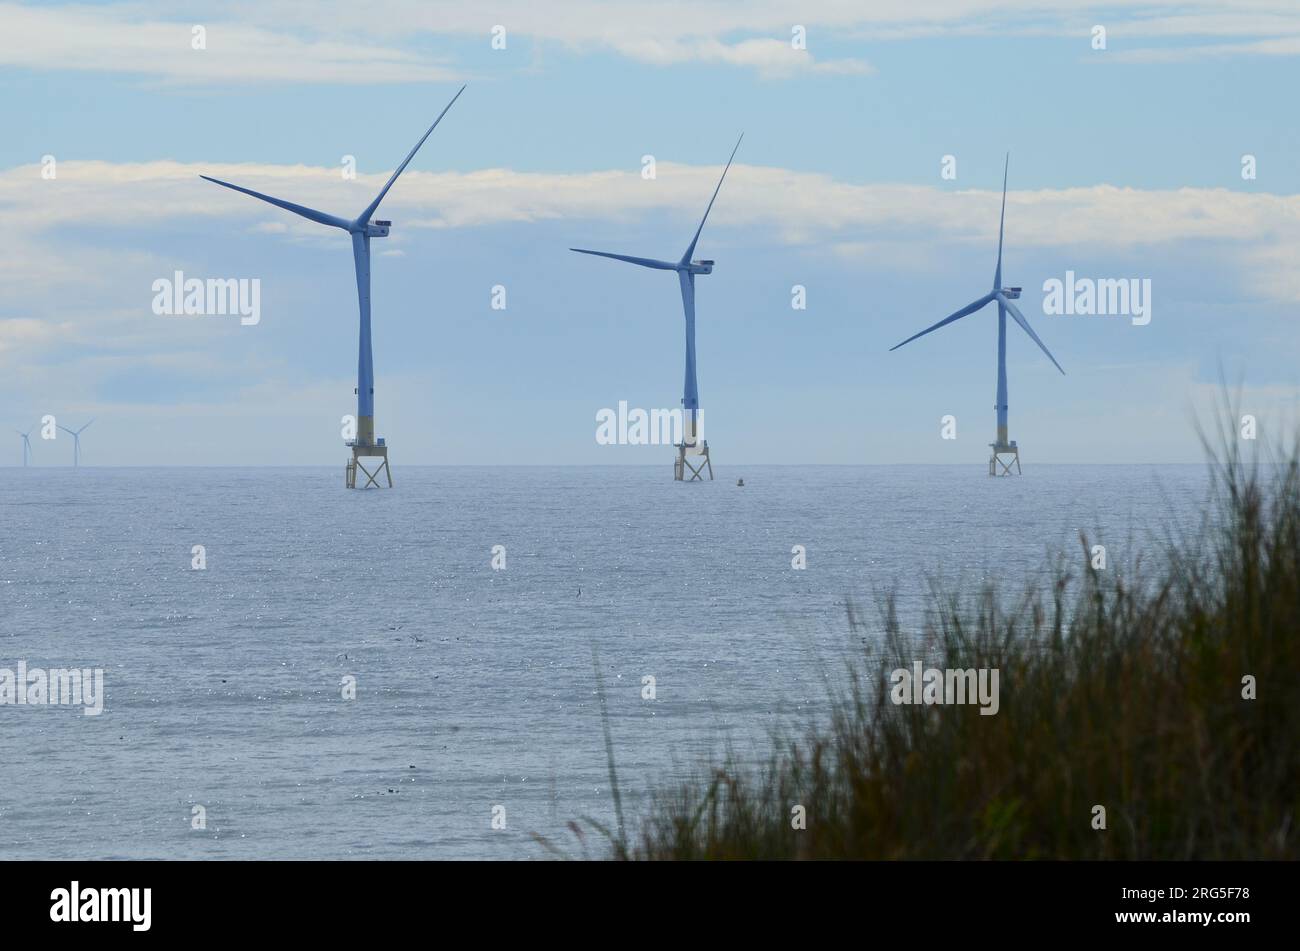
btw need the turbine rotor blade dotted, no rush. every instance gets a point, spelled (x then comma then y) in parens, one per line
(643, 262)
(695, 240)
(1002, 222)
(1019, 318)
(374, 205)
(87, 426)
(965, 311)
(311, 214)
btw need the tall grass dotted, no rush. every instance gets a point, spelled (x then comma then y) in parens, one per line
(1121, 694)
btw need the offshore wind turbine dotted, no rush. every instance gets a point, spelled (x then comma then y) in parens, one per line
(686, 270)
(27, 444)
(76, 441)
(1004, 296)
(362, 228)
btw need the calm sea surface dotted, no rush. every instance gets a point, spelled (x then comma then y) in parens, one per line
(474, 687)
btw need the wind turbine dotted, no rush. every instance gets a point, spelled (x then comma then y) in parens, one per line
(1004, 297)
(76, 441)
(686, 270)
(27, 444)
(362, 228)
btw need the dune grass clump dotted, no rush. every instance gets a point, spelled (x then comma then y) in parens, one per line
(1131, 696)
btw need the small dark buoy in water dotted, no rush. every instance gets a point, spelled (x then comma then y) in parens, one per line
(740, 482)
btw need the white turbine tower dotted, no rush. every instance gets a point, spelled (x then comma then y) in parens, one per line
(366, 445)
(27, 445)
(76, 442)
(686, 270)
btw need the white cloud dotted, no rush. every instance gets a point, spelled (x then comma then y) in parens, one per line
(1260, 232)
(1278, 46)
(580, 23)
(772, 58)
(119, 39)
(381, 41)
(28, 333)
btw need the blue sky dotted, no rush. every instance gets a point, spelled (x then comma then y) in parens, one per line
(1125, 163)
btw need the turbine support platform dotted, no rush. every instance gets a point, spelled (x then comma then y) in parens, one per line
(1004, 456)
(683, 464)
(355, 464)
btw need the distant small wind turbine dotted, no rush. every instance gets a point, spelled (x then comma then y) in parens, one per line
(1004, 296)
(686, 270)
(76, 442)
(362, 228)
(27, 445)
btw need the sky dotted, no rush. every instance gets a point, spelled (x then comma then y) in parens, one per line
(869, 175)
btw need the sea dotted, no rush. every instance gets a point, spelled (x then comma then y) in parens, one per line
(417, 672)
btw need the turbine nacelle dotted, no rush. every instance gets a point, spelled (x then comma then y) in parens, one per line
(1012, 293)
(699, 267)
(377, 229)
